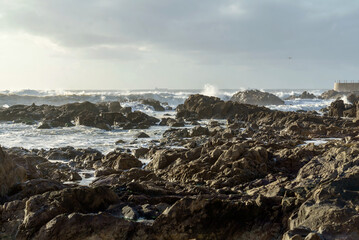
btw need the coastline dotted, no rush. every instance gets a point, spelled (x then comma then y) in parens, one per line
(211, 169)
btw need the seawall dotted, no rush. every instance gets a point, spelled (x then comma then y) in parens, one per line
(346, 87)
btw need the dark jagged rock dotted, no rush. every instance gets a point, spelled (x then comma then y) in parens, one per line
(256, 97)
(114, 107)
(33, 187)
(42, 208)
(153, 103)
(264, 175)
(10, 173)
(172, 122)
(100, 115)
(194, 218)
(303, 95)
(142, 135)
(86, 226)
(120, 161)
(353, 99)
(332, 94)
(200, 107)
(337, 108)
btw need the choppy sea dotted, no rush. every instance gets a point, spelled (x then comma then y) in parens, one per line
(28, 136)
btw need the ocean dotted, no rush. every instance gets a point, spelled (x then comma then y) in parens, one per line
(29, 137)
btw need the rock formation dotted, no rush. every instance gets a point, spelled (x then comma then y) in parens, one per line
(256, 97)
(258, 175)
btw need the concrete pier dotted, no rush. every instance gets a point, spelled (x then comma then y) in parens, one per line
(346, 86)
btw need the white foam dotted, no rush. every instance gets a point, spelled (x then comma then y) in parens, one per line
(210, 90)
(302, 104)
(345, 99)
(21, 135)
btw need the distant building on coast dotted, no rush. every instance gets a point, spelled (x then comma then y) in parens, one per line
(346, 86)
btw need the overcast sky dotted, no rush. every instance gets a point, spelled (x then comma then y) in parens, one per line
(138, 44)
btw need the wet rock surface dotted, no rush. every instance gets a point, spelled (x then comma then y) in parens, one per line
(259, 174)
(100, 115)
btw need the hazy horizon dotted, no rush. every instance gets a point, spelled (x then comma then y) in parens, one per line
(129, 45)
(157, 88)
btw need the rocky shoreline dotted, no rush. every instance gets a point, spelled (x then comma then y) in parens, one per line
(251, 175)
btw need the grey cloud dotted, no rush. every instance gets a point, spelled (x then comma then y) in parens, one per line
(228, 30)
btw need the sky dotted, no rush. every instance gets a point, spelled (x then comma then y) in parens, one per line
(144, 44)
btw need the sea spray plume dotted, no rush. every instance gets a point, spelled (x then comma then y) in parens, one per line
(213, 91)
(345, 99)
(210, 90)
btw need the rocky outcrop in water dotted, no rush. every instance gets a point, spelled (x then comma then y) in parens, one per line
(339, 109)
(256, 97)
(101, 115)
(303, 95)
(153, 103)
(201, 107)
(332, 94)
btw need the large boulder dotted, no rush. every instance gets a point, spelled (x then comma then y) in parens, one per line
(199, 107)
(86, 226)
(153, 103)
(337, 108)
(332, 206)
(40, 209)
(92, 120)
(218, 219)
(114, 106)
(120, 161)
(256, 97)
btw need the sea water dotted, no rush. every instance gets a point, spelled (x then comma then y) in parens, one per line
(28, 136)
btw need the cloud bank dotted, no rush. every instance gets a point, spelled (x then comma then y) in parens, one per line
(267, 35)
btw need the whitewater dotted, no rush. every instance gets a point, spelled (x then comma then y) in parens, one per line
(29, 137)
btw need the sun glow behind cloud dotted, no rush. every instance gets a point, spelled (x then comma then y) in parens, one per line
(158, 43)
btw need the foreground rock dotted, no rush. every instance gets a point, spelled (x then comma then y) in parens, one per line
(20, 165)
(254, 177)
(256, 97)
(10, 173)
